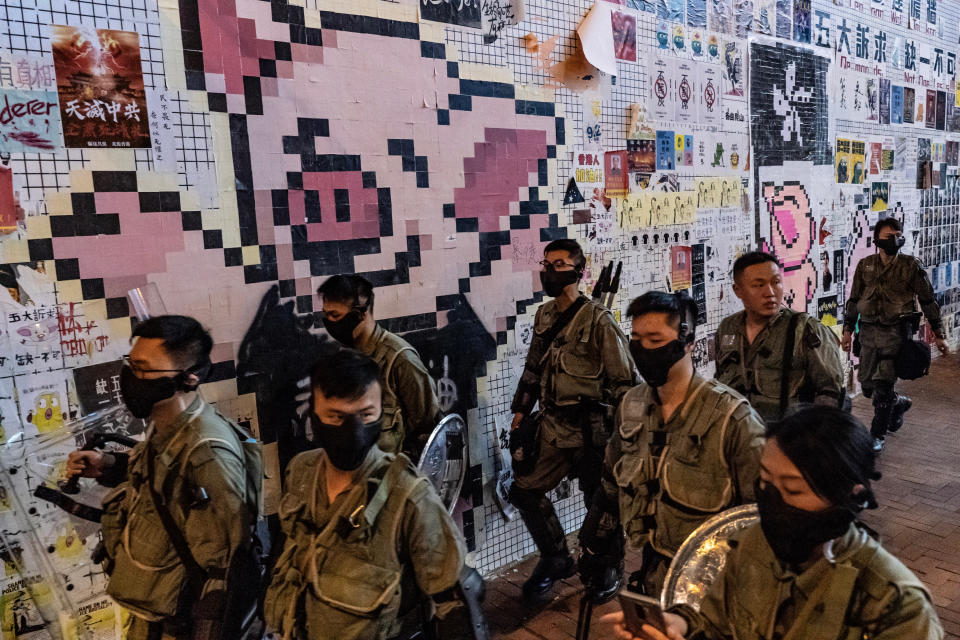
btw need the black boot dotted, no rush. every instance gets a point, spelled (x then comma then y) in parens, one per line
(900, 407)
(555, 561)
(884, 403)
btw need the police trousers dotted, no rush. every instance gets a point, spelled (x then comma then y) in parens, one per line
(556, 463)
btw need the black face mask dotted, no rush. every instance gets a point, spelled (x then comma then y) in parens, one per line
(348, 443)
(794, 533)
(654, 364)
(342, 329)
(140, 394)
(890, 246)
(554, 282)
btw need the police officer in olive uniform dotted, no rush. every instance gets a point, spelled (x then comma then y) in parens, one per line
(205, 492)
(578, 367)
(364, 530)
(410, 406)
(807, 570)
(881, 300)
(684, 448)
(775, 356)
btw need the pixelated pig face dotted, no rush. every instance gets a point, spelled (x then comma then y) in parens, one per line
(791, 224)
(373, 156)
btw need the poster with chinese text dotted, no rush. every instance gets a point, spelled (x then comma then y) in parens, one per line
(100, 82)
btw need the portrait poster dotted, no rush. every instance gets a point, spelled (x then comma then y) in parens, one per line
(680, 268)
(617, 179)
(931, 109)
(908, 100)
(100, 81)
(624, 35)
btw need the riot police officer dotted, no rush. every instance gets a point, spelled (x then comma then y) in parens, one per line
(774, 356)
(882, 303)
(684, 448)
(364, 530)
(807, 570)
(410, 406)
(578, 367)
(186, 498)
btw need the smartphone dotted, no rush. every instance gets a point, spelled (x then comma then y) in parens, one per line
(639, 610)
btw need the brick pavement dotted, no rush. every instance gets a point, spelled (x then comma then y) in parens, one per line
(919, 516)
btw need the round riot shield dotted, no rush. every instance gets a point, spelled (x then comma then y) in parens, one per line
(444, 459)
(700, 559)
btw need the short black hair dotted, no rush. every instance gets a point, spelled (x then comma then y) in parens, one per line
(572, 247)
(187, 342)
(891, 222)
(344, 374)
(833, 451)
(350, 289)
(752, 258)
(676, 305)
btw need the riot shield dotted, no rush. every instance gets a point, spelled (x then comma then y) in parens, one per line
(444, 459)
(701, 557)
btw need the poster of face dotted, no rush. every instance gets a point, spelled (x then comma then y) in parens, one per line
(617, 179)
(680, 268)
(100, 82)
(624, 35)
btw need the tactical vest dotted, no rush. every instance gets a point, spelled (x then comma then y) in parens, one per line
(886, 293)
(860, 587)
(692, 480)
(385, 354)
(572, 364)
(767, 369)
(341, 579)
(148, 575)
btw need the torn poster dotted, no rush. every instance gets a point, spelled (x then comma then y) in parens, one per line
(596, 37)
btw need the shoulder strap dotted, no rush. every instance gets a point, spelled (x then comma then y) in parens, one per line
(389, 368)
(562, 321)
(788, 347)
(196, 576)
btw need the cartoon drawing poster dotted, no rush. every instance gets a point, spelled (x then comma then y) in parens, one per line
(100, 82)
(43, 401)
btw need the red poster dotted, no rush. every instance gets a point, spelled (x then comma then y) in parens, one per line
(617, 181)
(8, 206)
(100, 82)
(876, 150)
(624, 35)
(680, 268)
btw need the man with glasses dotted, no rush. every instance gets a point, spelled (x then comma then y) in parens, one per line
(185, 500)
(577, 368)
(410, 406)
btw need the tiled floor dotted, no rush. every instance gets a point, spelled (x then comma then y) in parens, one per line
(919, 517)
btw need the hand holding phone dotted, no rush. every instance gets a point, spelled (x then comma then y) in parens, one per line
(639, 610)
